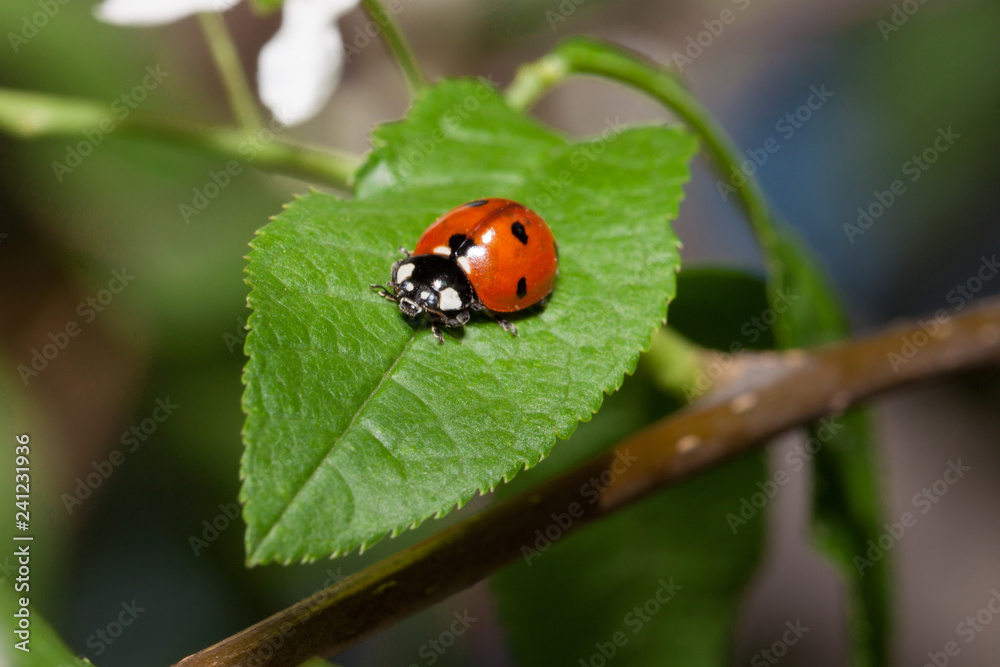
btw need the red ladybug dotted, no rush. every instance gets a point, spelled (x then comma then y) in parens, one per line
(493, 255)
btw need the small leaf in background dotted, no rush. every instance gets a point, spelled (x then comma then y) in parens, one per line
(359, 424)
(592, 596)
(847, 495)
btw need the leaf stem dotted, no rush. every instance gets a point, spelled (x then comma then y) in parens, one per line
(26, 115)
(676, 364)
(398, 45)
(227, 60)
(588, 56)
(776, 392)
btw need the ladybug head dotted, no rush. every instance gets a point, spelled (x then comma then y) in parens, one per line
(412, 307)
(431, 283)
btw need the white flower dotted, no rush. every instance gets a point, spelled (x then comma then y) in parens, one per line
(297, 70)
(141, 12)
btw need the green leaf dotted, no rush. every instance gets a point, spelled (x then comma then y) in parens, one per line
(45, 647)
(847, 510)
(558, 604)
(720, 308)
(359, 424)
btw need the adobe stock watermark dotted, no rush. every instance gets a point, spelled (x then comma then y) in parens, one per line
(968, 629)
(104, 637)
(563, 10)
(785, 128)
(580, 159)
(131, 440)
(33, 22)
(432, 650)
(88, 310)
(263, 653)
(591, 491)
(121, 107)
(797, 459)
(635, 620)
(214, 527)
(218, 180)
(779, 649)
(451, 120)
(363, 36)
(931, 328)
(900, 14)
(234, 340)
(913, 169)
(922, 501)
(751, 330)
(697, 44)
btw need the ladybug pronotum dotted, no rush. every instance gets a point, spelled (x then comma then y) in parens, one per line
(491, 255)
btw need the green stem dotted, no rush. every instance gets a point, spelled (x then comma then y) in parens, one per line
(677, 365)
(398, 45)
(227, 59)
(588, 56)
(32, 115)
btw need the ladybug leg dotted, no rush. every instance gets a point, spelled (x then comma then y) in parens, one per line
(386, 292)
(507, 325)
(461, 318)
(436, 330)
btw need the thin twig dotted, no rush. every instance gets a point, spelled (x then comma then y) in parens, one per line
(585, 56)
(398, 45)
(234, 78)
(765, 394)
(27, 115)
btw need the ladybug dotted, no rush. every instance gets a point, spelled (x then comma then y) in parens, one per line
(491, 255)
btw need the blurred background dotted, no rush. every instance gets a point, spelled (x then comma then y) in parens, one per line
(893, 77)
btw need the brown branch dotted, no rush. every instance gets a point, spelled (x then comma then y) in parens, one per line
(764, 395)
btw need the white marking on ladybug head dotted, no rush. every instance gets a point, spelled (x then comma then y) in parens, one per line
(450, 300)
(425, 295)
(409, 287)
(465, 264)
(404, 271)
(442, 250)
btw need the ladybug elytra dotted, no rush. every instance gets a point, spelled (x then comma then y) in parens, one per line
(492, 255)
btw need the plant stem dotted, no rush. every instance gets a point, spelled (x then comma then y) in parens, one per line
(676, 364)
(398, 45)
(588, 56)
(768, 393)
(227, 60)
(31, 115)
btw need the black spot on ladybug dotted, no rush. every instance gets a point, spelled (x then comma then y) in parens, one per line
(473, 204)
(517, 229)
(460, 245)
(522, 288)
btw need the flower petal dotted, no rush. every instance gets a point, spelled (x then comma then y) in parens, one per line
(152, 12)
(300, 66)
